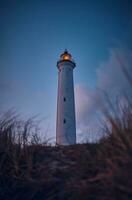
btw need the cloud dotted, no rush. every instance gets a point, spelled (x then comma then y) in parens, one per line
(112, 79)
(85, 99)
(110, 74)
(87, 103)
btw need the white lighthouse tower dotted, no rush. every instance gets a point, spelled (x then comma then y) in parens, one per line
(66, 123)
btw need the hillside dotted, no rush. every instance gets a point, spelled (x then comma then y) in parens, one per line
(83, 171)
(31, 169)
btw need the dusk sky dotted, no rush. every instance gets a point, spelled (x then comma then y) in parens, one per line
(33, 35)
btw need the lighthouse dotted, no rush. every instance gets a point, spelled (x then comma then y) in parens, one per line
(66, 122)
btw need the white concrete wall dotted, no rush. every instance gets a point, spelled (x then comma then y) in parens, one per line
(65, 132)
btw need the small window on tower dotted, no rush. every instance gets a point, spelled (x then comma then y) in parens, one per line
(64, 99)
(64, 121)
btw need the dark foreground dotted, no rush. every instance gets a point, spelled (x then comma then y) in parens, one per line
(32, 170)
(86, 171)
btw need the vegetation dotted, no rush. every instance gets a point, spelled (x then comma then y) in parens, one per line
(31, 169)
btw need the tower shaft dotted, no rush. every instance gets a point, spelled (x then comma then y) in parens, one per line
(66, 124)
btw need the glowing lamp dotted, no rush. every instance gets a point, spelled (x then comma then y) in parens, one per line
(66, 57)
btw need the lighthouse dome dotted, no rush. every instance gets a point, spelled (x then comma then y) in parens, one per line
(66, 57)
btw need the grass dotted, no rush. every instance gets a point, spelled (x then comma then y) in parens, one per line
(31, 169)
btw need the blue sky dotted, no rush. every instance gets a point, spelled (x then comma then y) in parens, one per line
(35, 32)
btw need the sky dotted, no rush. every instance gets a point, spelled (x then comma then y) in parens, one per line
(33, 35)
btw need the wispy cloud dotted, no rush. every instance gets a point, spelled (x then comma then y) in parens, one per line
(110, 79)
(110, 74)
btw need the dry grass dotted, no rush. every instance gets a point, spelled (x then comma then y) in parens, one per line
(32, 170)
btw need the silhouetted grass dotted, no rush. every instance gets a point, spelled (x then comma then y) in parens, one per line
(30, 169)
